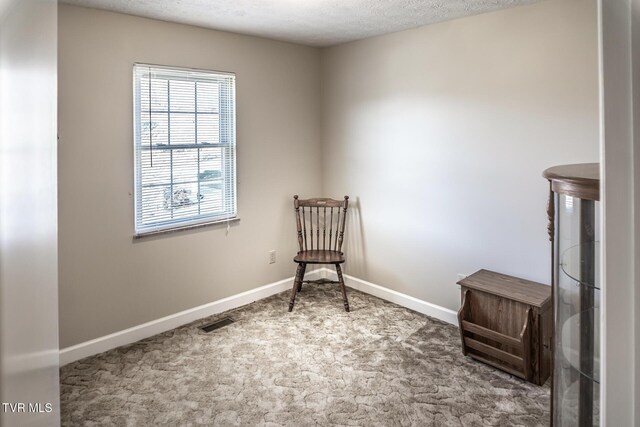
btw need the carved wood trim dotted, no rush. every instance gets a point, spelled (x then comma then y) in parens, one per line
(551, 213)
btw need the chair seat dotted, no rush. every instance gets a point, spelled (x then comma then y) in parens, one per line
(319, 257)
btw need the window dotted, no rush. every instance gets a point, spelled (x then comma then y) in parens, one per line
(184, 143)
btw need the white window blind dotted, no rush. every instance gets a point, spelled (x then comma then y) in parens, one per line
(184, 143)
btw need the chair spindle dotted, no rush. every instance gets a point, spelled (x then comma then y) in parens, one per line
(311, 226)
(324, 228)
(330, 227)
(344, 220)
(297, 206)
(317, 228)
(304, 226)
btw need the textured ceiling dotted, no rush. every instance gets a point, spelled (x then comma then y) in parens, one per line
(309, 22)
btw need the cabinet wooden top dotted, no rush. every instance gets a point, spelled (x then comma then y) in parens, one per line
(513, 288)
(580, 180)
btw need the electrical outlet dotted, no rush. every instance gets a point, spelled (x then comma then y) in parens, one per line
(272, 257)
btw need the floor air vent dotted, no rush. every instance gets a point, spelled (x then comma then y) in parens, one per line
(217, 324)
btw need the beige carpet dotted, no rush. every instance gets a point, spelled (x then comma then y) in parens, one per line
(379, 365)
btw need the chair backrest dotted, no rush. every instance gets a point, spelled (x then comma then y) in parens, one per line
(320, 223)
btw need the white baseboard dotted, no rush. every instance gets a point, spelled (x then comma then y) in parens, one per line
(136, 333)
(415, 304)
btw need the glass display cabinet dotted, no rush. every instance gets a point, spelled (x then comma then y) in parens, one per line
(574, 214)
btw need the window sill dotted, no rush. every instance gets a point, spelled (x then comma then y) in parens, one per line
(184, 228)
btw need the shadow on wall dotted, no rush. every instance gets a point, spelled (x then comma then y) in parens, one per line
(354, 241)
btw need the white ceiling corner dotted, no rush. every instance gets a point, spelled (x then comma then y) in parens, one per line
(310, 22)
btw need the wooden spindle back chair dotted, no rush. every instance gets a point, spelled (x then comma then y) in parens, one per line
(321, 224)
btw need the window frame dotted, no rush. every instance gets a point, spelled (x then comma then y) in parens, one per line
(229, 176)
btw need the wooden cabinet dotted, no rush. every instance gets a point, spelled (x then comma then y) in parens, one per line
(506, 322)
(574, 230)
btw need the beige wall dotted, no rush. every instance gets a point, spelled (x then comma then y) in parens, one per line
(441, 133)
(438, 134)
(108, 282)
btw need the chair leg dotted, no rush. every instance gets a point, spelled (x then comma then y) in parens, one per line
(304, 269)
(296, 283)
(344, 290)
